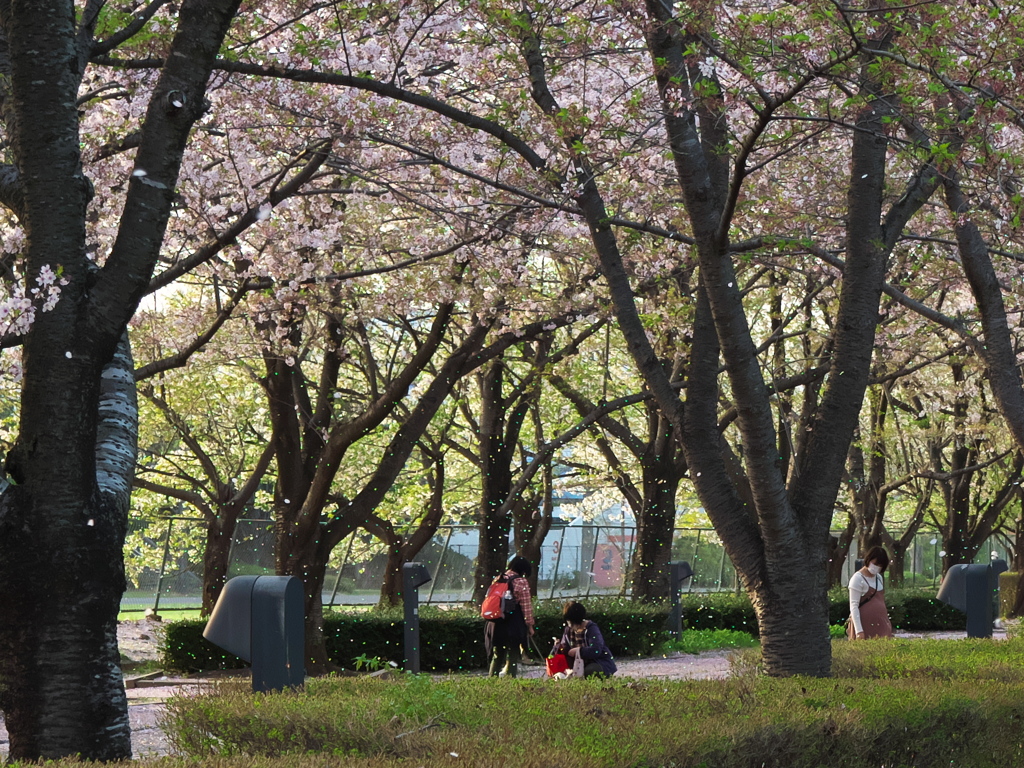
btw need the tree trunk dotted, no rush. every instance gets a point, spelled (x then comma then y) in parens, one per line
(310, 567)
(838, 551)
(793, 639)
(532, 524)
(62, 690)
(391, 584)
(778, 542)
(897, 565)
(63, 693)
(650, 575)
(498, 435)
(1018, 541)
(492, 555)
(220, 532)
(218, 500)
(654, 503)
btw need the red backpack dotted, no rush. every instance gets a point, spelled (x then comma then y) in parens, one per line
(500, 600)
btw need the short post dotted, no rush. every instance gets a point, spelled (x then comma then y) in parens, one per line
(414, 575)
(163, 570)
(678, 573)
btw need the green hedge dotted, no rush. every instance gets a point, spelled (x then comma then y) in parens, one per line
(719, 610)
(184, 649)
(1008, 582)
(452, 639)
(911, 610)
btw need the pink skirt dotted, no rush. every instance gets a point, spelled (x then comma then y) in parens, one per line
(874, 617)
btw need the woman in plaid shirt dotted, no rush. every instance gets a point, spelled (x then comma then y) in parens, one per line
(504, 638)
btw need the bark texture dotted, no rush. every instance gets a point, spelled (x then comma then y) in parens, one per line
(62, 521)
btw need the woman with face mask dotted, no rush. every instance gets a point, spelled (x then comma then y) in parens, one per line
(868, 614)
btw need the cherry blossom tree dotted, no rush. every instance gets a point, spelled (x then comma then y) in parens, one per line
(62, 518)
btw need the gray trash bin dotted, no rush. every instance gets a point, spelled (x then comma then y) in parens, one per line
(974, 589)
(260, 619)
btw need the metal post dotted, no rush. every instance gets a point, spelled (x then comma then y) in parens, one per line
(593, 559)
(414, 575)
(440, 562)
(721, 570)
(678, 573)
(163, 567)
(344, 562)
(696, 551)
(558, 560)
(627, 564)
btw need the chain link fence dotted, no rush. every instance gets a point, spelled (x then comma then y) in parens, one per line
(164, 562)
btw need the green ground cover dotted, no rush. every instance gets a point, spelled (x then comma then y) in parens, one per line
(967, 659)
(700, 640)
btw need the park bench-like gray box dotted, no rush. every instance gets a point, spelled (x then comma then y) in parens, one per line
(973, 589)
(260, 619)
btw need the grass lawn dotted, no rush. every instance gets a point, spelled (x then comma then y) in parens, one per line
(908, 703)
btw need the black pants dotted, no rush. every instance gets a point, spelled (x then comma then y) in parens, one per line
(505, 657)
(503, 641)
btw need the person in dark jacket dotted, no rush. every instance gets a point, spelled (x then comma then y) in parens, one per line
(582, 637)
(504, 638)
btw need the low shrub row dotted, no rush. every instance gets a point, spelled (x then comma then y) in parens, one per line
(452, 638)
(1008, 582)
(913, 610)
(620, 723)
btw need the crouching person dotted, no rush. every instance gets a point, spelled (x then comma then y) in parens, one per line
(583, 638)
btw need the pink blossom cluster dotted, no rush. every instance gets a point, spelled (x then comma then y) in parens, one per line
(18, 309)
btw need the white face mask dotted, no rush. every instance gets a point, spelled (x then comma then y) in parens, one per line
(875, 569)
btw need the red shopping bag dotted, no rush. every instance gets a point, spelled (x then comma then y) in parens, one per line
(557, 663)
